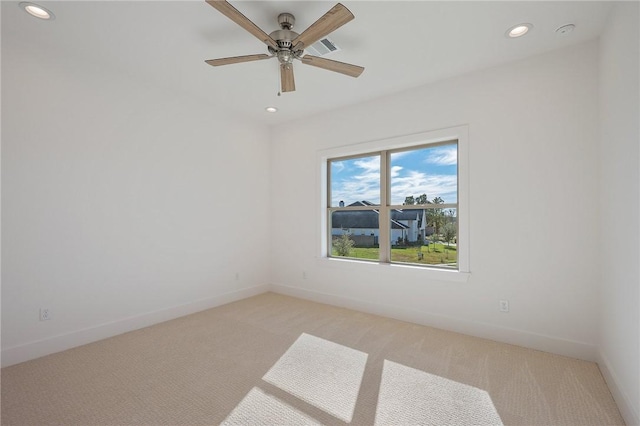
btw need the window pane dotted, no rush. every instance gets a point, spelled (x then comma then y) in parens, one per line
(354, 234)
(425, 175)
(425, 236)
(356, 180)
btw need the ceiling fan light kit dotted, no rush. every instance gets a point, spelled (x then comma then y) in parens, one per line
(287, 45)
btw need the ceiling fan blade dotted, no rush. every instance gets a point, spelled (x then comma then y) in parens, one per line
(237, 59)
(328, 64)
(329, 22)
(286, 78)
(232, 13)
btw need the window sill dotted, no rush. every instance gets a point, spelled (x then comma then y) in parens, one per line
(420, 272)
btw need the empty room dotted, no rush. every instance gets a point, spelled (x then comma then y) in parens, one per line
(310, 212)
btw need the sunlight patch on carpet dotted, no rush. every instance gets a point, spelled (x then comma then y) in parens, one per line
(324, 374)
(259, 408)
(410, 396)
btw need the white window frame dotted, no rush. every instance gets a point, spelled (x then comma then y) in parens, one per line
(459, 133)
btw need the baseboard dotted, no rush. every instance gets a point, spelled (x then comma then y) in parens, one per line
(629, 414)
(526, 339)
(36, 349)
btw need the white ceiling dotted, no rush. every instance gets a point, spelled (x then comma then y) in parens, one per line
(400, 44)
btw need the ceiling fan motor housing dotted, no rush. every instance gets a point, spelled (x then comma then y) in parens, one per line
(284, 38)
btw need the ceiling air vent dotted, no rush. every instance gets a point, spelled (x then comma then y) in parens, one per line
(322, 48)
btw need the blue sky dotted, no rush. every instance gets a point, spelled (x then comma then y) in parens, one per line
(431, 171)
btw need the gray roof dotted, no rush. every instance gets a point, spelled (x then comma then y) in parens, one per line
(407, 214)
(368, 219)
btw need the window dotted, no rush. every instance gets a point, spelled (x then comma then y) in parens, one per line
(398, 205)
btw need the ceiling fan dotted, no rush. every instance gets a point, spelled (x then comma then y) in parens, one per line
(287, 45)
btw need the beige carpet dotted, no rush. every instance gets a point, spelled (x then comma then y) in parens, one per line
(275, 360)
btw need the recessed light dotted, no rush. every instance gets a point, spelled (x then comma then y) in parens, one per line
(518, 30)
(271, 109)
(37, 11)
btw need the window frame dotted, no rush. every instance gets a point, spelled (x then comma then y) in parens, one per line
(385, 147)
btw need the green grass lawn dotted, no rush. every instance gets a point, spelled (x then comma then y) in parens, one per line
(435, 254)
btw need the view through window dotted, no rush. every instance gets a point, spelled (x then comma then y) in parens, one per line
(413, 192)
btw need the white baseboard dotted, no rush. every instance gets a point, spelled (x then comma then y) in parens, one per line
(36, 349)
(628, 412)
(526, 339)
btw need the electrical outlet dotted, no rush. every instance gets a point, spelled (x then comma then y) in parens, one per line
(45, 314)
(237, 276)
(504, 306)
(304, 275)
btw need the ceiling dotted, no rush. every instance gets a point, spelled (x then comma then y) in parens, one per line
(401, 45)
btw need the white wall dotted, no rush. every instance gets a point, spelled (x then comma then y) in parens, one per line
(116, 203)
(618, 192)
(112, 195)
(533, 135)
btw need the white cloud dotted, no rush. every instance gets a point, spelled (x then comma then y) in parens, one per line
(446, 156)
(417, 183)
(337, 166)
(370, 164)
(397, 155)
(364, 184)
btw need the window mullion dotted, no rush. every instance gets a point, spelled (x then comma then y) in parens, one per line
(384, 218)
(329, 236)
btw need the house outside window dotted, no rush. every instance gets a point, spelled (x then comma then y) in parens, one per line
(399, 205)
